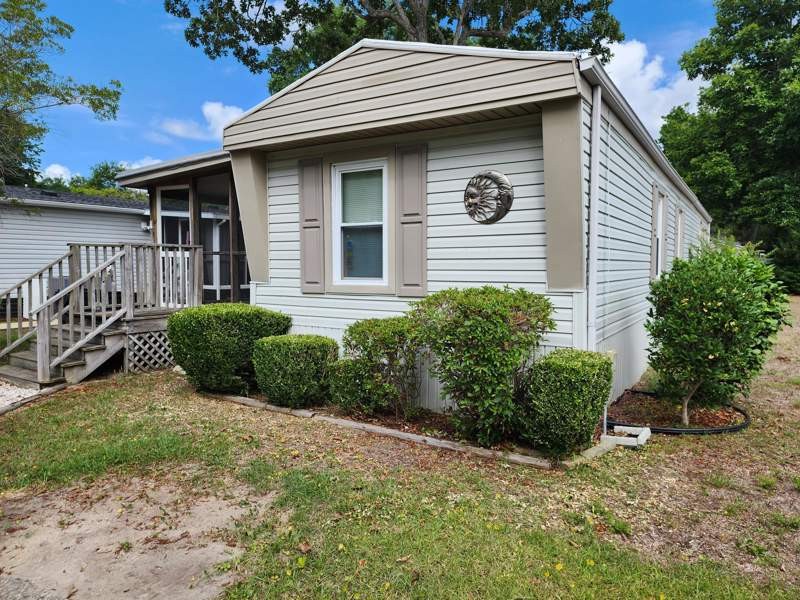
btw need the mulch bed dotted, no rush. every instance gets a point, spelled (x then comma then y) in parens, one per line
(423, 422)
(644, 409)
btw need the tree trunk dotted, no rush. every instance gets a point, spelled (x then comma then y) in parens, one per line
(686, 399)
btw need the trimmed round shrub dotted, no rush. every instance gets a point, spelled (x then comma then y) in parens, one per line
(386, 347)
(481, 340)
(214, 343)
(563, 402)
(713, 320)
(292, 370)
(355, 387)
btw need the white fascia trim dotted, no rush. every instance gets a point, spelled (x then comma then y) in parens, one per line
(594, 72)
(411, 47)
(470, 50)
(70, 205)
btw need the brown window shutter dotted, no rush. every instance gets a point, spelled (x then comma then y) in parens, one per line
(412, 243)
(312, 272)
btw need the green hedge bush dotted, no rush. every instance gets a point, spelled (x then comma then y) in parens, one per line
(713, 320)
(481, 340)
(214, 343)
(292, 370)
(565, 393)
(355, 387)
(387, 349)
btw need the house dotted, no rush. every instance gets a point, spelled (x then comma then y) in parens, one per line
(398, 169)
(64, 258)
(37, 225)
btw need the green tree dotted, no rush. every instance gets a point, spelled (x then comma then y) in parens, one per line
(740, 151)
(28, 85)
(290, 40)
(102, 176)
(100, 182)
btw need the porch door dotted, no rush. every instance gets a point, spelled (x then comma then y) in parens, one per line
(215, 234)
(173, 216)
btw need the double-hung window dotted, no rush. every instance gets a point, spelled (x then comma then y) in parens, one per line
(360, 232)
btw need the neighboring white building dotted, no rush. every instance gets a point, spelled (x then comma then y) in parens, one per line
(351, 187)
(37, 225)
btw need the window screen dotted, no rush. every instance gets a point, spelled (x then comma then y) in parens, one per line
(362, 224)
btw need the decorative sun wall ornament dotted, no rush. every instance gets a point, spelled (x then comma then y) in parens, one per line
(488, 197)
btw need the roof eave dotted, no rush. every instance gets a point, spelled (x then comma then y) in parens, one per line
(26, 202)
(172, 168)
(595, 74)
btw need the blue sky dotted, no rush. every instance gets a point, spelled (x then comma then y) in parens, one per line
(175, 100)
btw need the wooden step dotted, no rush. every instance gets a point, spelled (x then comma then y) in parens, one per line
(26, 359)
(25, 377)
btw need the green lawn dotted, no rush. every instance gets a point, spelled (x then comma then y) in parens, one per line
(358, 516)
(361, 516)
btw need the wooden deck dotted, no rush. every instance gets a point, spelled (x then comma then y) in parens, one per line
(92, 303)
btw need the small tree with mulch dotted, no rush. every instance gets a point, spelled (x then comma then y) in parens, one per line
(713, 320)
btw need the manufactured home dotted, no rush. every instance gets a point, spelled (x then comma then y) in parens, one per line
(398, 169)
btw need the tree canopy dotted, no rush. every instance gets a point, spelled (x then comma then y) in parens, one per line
(28, 85)
(291, 38)
(740, 151)
(100, 182)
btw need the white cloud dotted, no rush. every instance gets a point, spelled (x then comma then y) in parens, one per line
(57, 171)
(157, 137)
(216, 115)
(142, 162)
(646, 85)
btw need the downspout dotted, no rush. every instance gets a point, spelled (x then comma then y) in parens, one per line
(594, 215)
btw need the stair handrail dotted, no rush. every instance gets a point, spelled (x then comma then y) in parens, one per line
(82, 280)
(44, 363)
(41, 271)
(19, 287)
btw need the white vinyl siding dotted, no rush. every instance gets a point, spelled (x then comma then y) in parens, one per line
(461, 253)
(624, 248)
(32, 237)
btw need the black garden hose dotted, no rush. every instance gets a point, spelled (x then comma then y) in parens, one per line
(687, 431)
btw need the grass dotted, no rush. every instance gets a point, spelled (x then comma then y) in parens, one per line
(785, 522)
(338, 532)
(56, 443)
(767, 482)
(351, 536)
(719, 481)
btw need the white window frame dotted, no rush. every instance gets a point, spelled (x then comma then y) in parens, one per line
(680, 231)
(337, 170)
(661, 206)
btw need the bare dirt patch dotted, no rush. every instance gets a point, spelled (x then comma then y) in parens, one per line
(137, 538)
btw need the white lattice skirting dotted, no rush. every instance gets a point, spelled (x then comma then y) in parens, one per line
(148, 351)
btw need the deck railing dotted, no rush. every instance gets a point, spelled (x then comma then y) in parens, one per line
(104, 283)
(18, 303)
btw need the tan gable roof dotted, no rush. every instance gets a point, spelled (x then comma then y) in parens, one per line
(384, 87)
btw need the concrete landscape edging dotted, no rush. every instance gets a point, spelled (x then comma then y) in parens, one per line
(537, 461)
